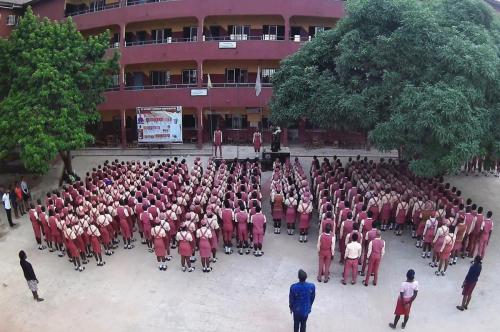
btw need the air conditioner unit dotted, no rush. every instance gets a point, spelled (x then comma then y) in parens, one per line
(238, 37)
(270, 37)
(11, 20)
(296, 38)
(116, 45)
(169, 40)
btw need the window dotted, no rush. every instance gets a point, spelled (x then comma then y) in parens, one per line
(273, 32)
(189, 76)
(190, 33)
(141, 36)
(159, 77)
(115, 80)
(236, 121)
(239, 32)
(161, 35)
(214, 31)
(188, 121)
(236, 75)
(11, 20)
(313, 31)
(266, 74)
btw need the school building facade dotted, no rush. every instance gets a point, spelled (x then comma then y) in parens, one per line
(169, 47)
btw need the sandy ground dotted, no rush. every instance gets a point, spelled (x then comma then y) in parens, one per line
(243, 293)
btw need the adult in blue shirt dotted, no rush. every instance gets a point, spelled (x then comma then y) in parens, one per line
(470, 282)
(301, 299)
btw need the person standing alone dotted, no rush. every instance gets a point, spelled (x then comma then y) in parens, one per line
(470, 282)
(30, 276)
(7, 206)
(407, 294)
(301, 299)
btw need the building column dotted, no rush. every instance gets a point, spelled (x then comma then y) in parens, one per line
(302, 131)
(199, 128)
(284, 136)
(287, 28)
(122, 66)
(123, 124)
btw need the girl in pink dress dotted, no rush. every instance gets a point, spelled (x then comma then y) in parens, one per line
(184, 240)
(204, 235)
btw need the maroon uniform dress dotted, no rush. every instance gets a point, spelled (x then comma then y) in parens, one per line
(204, 243)
(258, 220)
(325, 255)
(374, 259)
(242, 221)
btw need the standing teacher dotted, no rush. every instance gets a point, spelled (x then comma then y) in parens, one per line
(301, 299)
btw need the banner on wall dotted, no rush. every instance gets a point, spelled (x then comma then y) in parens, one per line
(161, 124)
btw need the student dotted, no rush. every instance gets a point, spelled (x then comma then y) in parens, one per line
(218, 141)
(407, 294)
(376, 250)
(257, 141)
(37, 226)
(184, 240)
(204, 235)
(258, 221)
(470, 282)
(352, 255)
(445, 251)
(30, 276)
(95, 241)
(158, 234)
(326, 251)
(241, 217)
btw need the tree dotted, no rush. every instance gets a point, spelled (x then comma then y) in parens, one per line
(52, 81)
(420, 76)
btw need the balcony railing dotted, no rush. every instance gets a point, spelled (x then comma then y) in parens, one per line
(154, 87)
(244, 37)
(93, 9)
(141, 2)
(237, 85)
(184, 86)
(113, 88)
(168, 40)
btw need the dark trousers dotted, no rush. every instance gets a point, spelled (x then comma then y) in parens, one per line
(299, 323)
(9, 216)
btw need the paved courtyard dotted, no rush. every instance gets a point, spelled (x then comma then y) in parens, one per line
(243, 293)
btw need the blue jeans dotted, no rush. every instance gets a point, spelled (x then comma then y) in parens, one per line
(299, 321)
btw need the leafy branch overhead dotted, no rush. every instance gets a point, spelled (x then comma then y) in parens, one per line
(52, 81)
(420, 76)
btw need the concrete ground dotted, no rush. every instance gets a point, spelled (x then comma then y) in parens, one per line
(243, 293)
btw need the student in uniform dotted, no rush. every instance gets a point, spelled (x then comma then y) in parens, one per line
(326, 251)
(184, 240)
(218, 141)
(158, 235)
(257, 141)
(445, 251)
(258, 221)
(95, 241)
(242, 219)
(37, 227)
(407, 294)
(204, 235)
(376, 250)
(227, 216)
(351, 258)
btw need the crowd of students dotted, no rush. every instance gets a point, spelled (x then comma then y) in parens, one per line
(359, 200)
(167, 204)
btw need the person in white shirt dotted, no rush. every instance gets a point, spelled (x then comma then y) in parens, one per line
(407, 294)
(351, 258)
(7, 206)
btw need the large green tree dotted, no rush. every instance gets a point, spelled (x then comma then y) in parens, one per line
(52, 81)
(419, 76)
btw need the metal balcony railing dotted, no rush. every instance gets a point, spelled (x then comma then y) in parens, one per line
(237, 85)
(154, 87)
(244, 37)
(93, 9)
(142, 2)
(168, 40)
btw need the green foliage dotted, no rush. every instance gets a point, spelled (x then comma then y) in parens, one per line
(423, 76)
(52, 81)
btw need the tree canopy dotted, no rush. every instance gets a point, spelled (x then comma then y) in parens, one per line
(419, 76)
(52, 81)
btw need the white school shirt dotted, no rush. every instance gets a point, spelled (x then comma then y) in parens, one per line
(408, 288)
(6, 201)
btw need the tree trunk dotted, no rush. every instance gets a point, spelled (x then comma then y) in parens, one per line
(66, 158)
